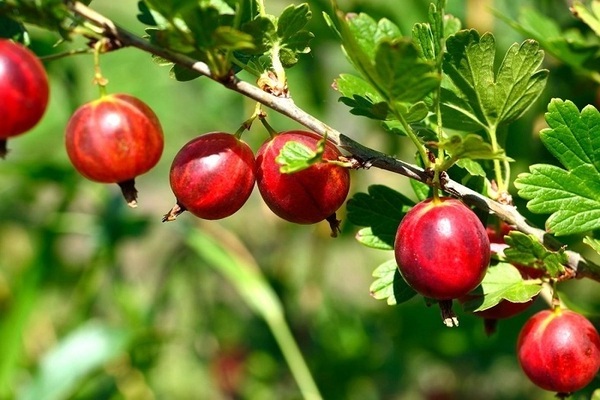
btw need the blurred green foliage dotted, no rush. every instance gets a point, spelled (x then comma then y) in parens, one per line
(113, 304)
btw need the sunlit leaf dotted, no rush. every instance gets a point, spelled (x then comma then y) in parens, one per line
(571, 195)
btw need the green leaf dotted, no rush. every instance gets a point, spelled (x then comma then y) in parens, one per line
(571, 196)
(481, 96)
(502, 281)
(381, 209)
(367, 237)
(292, 20)
(593, 243)
(595, 395)
(389, 63)
(74, 358)
(12, 29)
(263, 31)
(292, 39)
(590, 16)
(390, 285)
(526, 250)
(470, 146)
(295, 156)
(571, 47)
(361, 97)
(401, 74)
(472, 167)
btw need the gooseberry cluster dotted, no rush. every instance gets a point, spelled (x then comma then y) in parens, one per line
(441, 247)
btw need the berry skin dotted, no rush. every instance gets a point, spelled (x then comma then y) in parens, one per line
(113, 140)
(24, 88)
(559, 350)
(442, 249)
(212, 176)
(308, 196)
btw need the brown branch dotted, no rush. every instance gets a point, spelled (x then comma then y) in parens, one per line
(286, 106)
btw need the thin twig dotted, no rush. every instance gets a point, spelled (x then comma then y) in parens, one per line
(368, 156)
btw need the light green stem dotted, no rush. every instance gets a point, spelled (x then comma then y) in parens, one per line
(258, 294)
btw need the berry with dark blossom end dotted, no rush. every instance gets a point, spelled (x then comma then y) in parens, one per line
(442, 249)
(212, 176)
(307, 196)
(24, 89)
(114, 139)
(559, 350)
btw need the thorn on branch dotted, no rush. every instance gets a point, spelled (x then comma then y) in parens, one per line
(355, 162)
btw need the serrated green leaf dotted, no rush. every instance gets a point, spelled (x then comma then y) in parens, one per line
(401, 74)
(472, 167)
(381, 209)
(292, 20)
(263, 31)
(502, 281)
(593, 243)
(295, 156)
(526, 250)
(365, 236)
(229, 38)
(571, 47)
(389, 63)
(63, 368)
(390, 285)
(487, 98)
(470, 146)
(571, 196)
(428, 37)
(590, 16)
(361, 97)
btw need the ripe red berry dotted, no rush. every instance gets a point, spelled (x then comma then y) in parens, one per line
(113, 140)
(559, 350)
(212, 176)
(308, 196)
(24, 88)
(442, 249)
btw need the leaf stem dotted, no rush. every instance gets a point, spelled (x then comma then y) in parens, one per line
(501, 177)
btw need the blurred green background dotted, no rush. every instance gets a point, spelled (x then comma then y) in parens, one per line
(98, 301)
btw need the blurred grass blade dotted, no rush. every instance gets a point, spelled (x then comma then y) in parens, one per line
(82, 352)
(241, 271)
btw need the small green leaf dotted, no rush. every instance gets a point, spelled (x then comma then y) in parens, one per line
(484, 97)
(74, 358)
(365, 236)
(295, 156)
(593, 243)
(571, 47)
(381, 209)
(228, 38)
(472, 167)
(526, 250)
(292, 20)
(390, 285)
(590, 16)
(595, 395)
(183, 74)
(401, 74)
(571, 196)
(262, 30)
(470, 146)
(502, 281)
